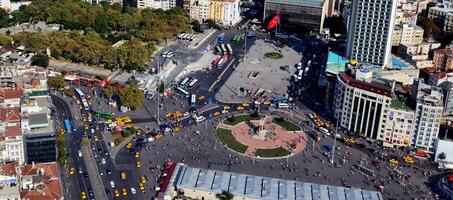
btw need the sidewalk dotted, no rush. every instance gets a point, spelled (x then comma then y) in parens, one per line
(92, 170)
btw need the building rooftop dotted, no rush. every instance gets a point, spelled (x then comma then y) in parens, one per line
(13, 131)
(312, 3)
(371, 87)
(9, 114)
(258, 187)
(10, 94)
(400, 102)
(37, 118)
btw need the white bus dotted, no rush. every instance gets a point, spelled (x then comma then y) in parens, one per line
(187, 37)
(230, 50)
(193, 100)
(85, 104)
(182, 36)
(184, 82)
(192, 38)
(80, 93)
(283, 105)
(184, 92)
(193, 83)
(222, 46)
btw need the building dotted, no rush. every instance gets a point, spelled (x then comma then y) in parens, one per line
(416, 6)
(224, 12)
(205, 184)
(443, 15)
(38, 130)
(14, 145)
(405, 17)
(447, 89)
(443, 59)
(296, 14)
(418, 54)
(371, 42)
(40, 181)
(407, 34)
(198, 9)
(360, 102)
(398, 123)
(428, 109)
(156, 4)
(443, 155)
(9, 189)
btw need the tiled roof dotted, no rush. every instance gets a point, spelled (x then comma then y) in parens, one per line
(50, 169)
(10, 94)
(9, 114)
(439, 75)
(375, 88)
(13, 131)
(9, 169)
(50, 190)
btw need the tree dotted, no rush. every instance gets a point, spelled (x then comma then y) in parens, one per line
(225, 195)
(428, 25)
(335, 24)
(131, 96)
(40, 59)
(56, 81)
(5, 40)
(212, 24)
(161, 87)
(442, 156)
(109, 91)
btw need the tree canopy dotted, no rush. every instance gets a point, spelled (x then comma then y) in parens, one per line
(40, 59)
(56, 81)
(131, 96)
(428, 25)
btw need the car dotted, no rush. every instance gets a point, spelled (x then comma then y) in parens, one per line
(240, 108)
(90, 192)
(143, 179)
(216, 113)
(103, 161)
(176, 129)
(132, 150)
(106, 153)
(83, 195)
(186, 114)
(245, 105)
(141, 186)
(117, 194)
(86, 127)
(201, 97)
(137, 154)
(123, 175)
(129, 145)
(107, 191)
(226, 107)
(72, 171)
(138, 164)
(96, 138)
(152, 169)
(85, 175)
(108, 171)
(112, 184)
(80, 153)
(124, 191)
(170, 54)
(164, 54)
(158, 136)
(80, 170)
(133, 191)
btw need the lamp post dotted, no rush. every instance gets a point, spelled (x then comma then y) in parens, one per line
(158, 93)
(332, 158)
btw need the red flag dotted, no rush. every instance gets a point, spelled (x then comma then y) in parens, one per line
(274, 22)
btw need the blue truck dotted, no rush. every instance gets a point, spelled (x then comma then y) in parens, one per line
(67, 125)
(221, 37)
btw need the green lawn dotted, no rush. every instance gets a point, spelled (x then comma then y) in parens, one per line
(276, 152)
(240, 118)
(289, 126)
(228, 139)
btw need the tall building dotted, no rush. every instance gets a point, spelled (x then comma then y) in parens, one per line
(199, 9)
(370, 31)
(156, 4)
(428, 111)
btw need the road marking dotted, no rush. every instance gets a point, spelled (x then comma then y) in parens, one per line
(220, 76)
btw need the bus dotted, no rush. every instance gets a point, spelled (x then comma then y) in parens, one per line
(230, 50)
(192, 38)
(223, 49)
(187, 37)
(193, 100)
(219, 50)
(85, 104)
(184, 82)
(193, 83)
(80, 93)
(184, 92)
(67, 125)
(181, 36)
(237, 38)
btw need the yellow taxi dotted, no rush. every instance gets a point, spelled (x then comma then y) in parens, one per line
(393, 161)
(84, 195)
(266, 103)
(124, 191)
(138, 164)
(245, 105)
(216, 113)
(143, 179)
(137, 154)
(123, 175)
(141, 186)
(109, 121)
(169, 114)
(117, 194)
(139, 132)
(226, 107)
(240, 108)
(176, 129)
(408, 159)
(96, 138)
(158, 136)
(72, 171)
(129, 145)
(84, 119)
(86, 126)
(201, 97)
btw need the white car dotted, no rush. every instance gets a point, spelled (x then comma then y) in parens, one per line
(112, 184)
(170, 54)
(164, 54)
(133, 191)
(186, 114)
(80, 153)
(103, 161)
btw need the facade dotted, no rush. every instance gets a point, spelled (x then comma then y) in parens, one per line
(156, 4)
(447, 89)
(407, 34)
(296, 14)
(418, 55)
(14, 145)
(444, 147)
(405, 17)
(443, 15)
(398, 122)
(225, 12)
(199, 9)
(371, 42)
(205, 184)
(428, 110)
(359, 105)
(416, 6)
(443, 59)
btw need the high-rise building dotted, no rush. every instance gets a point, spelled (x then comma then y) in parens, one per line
(370, 31)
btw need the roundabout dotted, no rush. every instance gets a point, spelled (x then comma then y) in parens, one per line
(261, 136)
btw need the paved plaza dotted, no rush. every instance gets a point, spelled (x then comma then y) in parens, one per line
(275, 136)
(258, 72)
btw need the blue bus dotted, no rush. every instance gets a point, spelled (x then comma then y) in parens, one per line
(219, 50)
(67, 125)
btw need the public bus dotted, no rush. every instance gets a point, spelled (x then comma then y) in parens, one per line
(181, 36)
(230, 50)
(85, 104)
(193, 83)
(187, 37)
(224, 51)
(193, 100)
(219, 50)
(192, 38)
(67, 125)
(184, 82)
(182, 91)
(80, 93)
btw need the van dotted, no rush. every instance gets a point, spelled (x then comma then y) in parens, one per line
(283, 105)
(92, 131)
(324, 130)
(112, 184)
(199, 119)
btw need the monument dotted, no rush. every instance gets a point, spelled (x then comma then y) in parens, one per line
(260, 132)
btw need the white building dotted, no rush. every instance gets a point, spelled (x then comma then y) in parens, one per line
(14, 145)
(231, 13)
(429, 107)
(444, 153)
(199, 9)
(156, 4)
(370, 31)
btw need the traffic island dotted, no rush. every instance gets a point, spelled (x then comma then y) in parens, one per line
(261, 136)
(273, 55)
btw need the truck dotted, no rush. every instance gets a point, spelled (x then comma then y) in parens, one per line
(221, 37)
(216, 61)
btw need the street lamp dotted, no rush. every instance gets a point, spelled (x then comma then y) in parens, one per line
(158, 91)
(335, 137)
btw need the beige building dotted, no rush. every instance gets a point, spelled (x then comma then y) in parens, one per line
(398, 123)
(443, 59)
(199, 9)
(418, 55)
(407, 34)
(443, 15)
(416, 6)
(216, 10)
(405, 17)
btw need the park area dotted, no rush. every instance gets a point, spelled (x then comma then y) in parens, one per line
(260, 136)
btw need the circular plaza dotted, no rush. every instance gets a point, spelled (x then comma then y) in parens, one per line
(261, 136)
